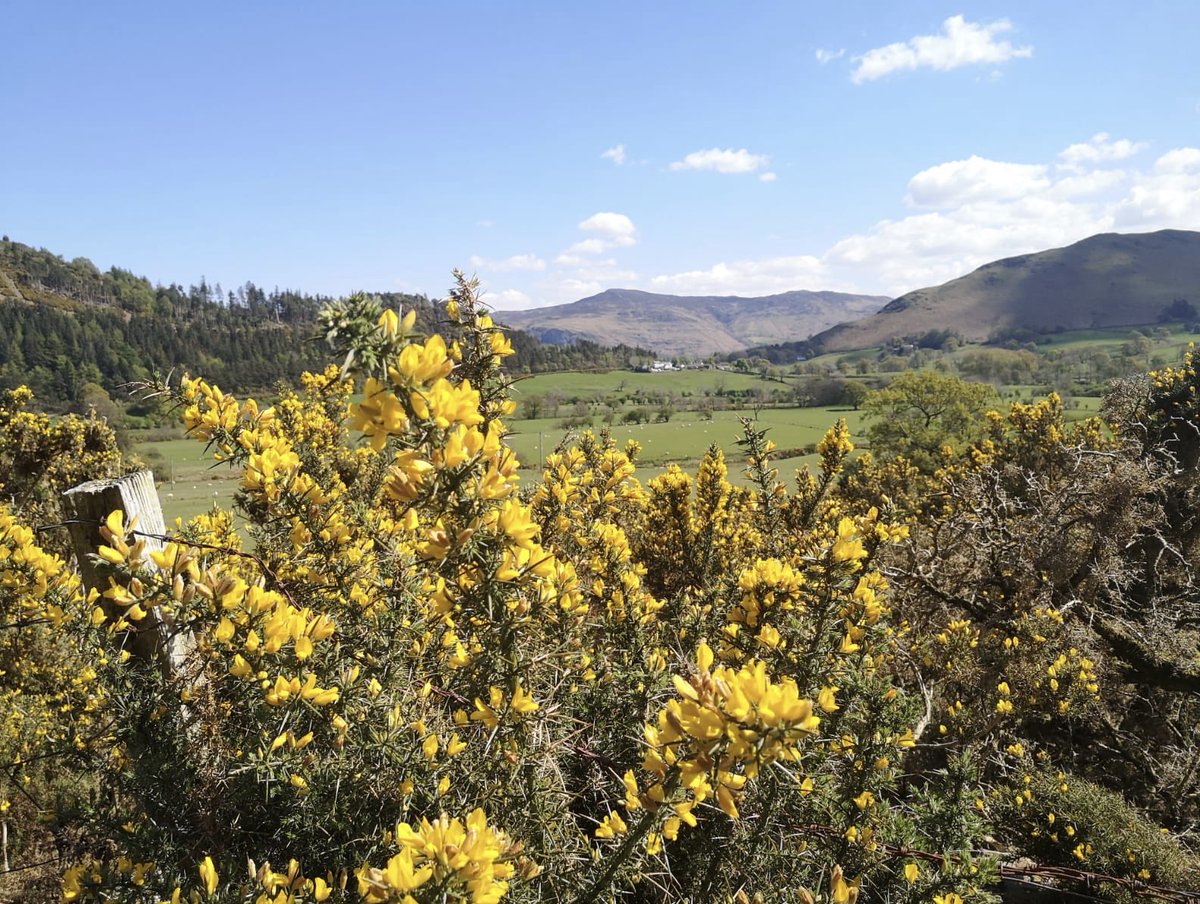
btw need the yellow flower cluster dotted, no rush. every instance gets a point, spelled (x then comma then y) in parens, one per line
(724, 726)
(768, 584)
(48, 689)
(459, 861)
(42, 456)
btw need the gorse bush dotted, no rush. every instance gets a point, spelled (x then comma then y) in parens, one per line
(426, 682)
(41, 457)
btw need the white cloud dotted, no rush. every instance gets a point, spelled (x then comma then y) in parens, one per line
(572, 289)
(616, 155)
(580, 271)
(484, 224)
(508, 300)
(930, 248)
(762, 277)
(608, 273)
(974, 179)
(1024, 210)
(975, 211)
(516, 262)
(580, 282)
(722, 161)
(965, 214)
(612, 229)
(767, 177)
(1083, 184)
(960, 43)
(585, 246)
(1180, 160)
(825, 56)
(1099, 149)
(1166, 196)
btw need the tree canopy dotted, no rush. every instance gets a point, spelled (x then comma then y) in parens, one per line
(926, 416)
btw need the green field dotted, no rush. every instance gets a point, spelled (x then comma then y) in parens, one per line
(195, 482)
(685, 383)
(685, 437)
(191, 482)
(1176, 341)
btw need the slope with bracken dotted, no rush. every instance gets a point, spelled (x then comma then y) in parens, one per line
(1109, 280)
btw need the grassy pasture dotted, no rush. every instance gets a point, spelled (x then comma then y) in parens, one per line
(194, 482)
(685, 437)
(197, 482)
(572, 385)
(1177, 340)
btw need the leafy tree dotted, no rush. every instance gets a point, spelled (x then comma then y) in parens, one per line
(854, 393)
(921, 414)
(531, 406)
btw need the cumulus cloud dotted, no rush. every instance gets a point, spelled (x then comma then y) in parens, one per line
(1100, 148)
(607, 272)
(1180, 160)
(722, 160)
(747, 277)
(1025, 210)
(960, 43)
(509, 300)
(1083, 184)
(963, 213)
(616, 155)
(974, 211)
(767, 177)
(1167, 195)
(568, 286)
(826, 56)
(611, 230)
(930, 248)
(974, 179)
(579, 270)
(504, 265)
(585, 246)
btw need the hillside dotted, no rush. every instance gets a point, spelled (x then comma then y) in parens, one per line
(1107, 280)
(64, 324)
(692, 325)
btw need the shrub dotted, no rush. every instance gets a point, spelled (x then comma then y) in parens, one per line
(427, 683)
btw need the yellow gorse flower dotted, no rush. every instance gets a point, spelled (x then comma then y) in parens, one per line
(208, 875)
(469, 860)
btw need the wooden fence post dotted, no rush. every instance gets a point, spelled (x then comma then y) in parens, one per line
(155, 638)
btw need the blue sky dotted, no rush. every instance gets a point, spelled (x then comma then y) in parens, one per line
(751, 147)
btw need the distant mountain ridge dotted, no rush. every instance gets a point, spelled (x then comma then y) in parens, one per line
(1107, 280)
(697, 325)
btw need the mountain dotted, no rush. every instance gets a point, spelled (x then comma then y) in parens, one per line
(1109, 280)
(691, 325)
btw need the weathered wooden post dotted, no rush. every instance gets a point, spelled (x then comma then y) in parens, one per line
(155, 638)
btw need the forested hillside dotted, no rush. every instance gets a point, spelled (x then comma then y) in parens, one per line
(64, 324)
